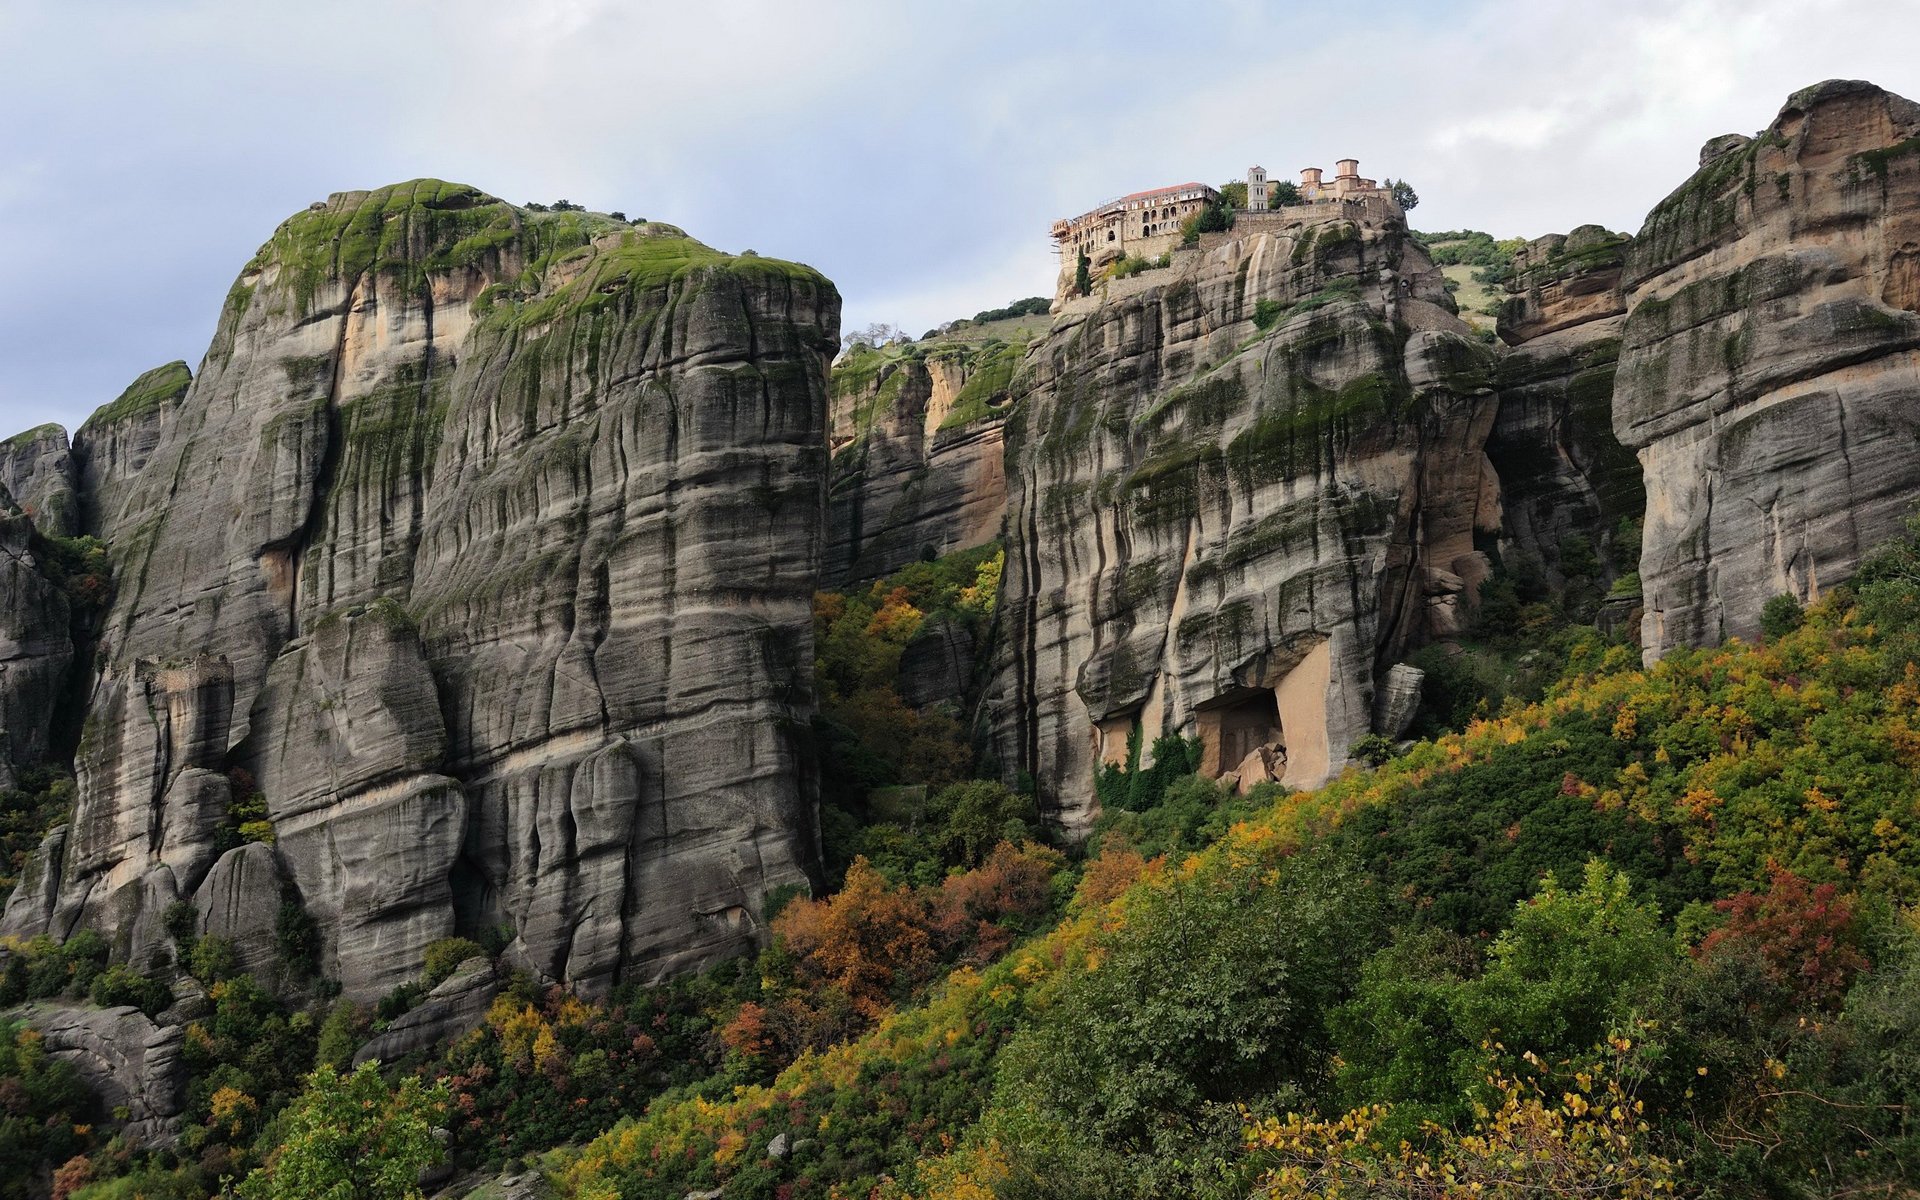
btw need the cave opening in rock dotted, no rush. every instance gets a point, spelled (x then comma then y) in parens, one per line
(1234, 725)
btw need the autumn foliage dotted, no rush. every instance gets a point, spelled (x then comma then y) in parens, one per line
(1805, 934)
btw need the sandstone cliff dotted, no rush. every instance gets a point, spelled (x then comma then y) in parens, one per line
(1768, 375)
(36, 645)
(36, 469)
(113, 445)
(1570, 490)
(918, 454)
(1238, 488)
(484, 541)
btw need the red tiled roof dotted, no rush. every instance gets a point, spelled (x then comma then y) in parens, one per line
(1178, 187)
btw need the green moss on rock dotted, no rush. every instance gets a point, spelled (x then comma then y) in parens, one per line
(156, 388)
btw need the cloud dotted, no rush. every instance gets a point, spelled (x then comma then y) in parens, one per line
(915, 153)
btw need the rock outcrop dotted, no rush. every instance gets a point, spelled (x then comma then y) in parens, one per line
(456, 1004)
(36, 646)
(128, 1062)
(113, 445)
(484, 540)
(918, 455)
(1565, 478)
(37, 469)
(1238, 488)
(1768, 375)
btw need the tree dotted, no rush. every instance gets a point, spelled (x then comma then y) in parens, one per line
(1403, 194)
(875, 336)
(1781, 615)
(349, 1137)
(1082, 277)
(1282, 193)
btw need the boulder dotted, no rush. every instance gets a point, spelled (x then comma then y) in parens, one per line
(458, 1003)
(126, 1059)
(1396, 701)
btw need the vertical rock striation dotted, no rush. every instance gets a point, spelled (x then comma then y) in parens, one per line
(37, 470)
(484, 540)
(1563, 473)
(36, 645)
(918, 462)
(1230, 528)
(113, 445)
(1768, 376)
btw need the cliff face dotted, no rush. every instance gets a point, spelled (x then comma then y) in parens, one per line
(1231, 529)
(113, 445)
(483, 544)
(37, 470)
(918, 455)
(36, 645)
(1768, 376)
(1565, 478)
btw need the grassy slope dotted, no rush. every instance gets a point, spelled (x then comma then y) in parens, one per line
(1724, 747)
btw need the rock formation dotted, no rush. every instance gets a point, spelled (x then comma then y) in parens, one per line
(113, 445)
(1562, 472)
(1768, 375)
(36, 468)
(456, 1004)
(36, 645)
(1238, 488)
(484, 540)
(127, 1060)
(917, 455)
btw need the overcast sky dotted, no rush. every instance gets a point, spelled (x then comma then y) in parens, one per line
(915, 152)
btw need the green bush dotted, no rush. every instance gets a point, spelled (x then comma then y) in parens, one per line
(120, 984)
(1214, 996)
(444, 957)
(213, 959)
(1133, 788)
(296, 938)
(1266, 313)
(182, 922)
(1781, 615)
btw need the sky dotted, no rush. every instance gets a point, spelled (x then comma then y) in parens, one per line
(914, 152)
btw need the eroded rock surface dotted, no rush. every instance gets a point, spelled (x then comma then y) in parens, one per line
(113, 445)
(456, 1004)
(37, 469)
(127, 1061)
(1227, 528)
(1768, 375)
(918, 455)
(36, 646)
(1564, 475)
(485, 542)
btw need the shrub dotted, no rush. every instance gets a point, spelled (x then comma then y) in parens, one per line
(296, 937)
(444, 957)
(1805, 935)
(1781, 615)
(213, 959)
(1215, 995)
(1374, 750)
(399, 1001)
(182, 922)
(120, 984)
(1266, 313)
(340, 1035)
(353, 1136)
